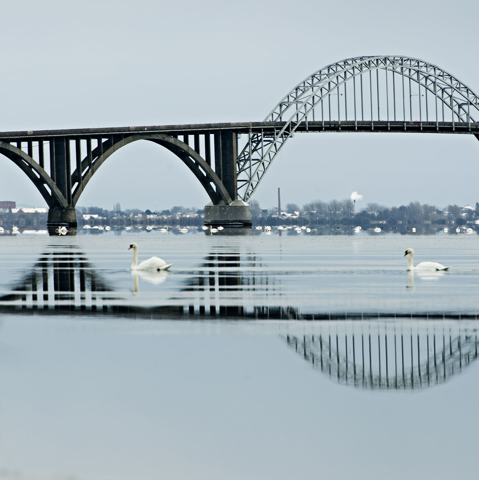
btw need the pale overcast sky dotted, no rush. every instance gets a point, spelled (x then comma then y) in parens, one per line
(108, 63)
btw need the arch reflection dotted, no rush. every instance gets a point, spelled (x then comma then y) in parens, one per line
(399, 357)
(62, 280)
(228, 285)
(224, 285)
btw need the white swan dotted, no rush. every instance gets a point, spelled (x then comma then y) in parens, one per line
(423, 265)
(153, 263)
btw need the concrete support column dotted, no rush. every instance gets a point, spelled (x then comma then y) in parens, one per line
(60, 165)
(60, 217)
(226, 150)
(237, 214)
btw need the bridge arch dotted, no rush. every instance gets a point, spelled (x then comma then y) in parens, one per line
(200, 168)
(40, 178)
(363, 91)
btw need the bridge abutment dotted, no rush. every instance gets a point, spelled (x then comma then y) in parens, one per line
(59, 217)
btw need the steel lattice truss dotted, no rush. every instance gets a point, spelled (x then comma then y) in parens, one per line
(362, 89)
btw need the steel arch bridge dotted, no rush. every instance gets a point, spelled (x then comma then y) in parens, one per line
(372, 93)
(362, 94)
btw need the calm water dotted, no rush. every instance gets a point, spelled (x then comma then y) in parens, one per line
(260, 357)
(254, 277)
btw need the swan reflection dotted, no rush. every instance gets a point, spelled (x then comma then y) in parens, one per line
(395, 355)
(425, 276)
(152, 277)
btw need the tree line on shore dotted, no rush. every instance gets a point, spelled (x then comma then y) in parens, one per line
(346, 212)
(318, 213)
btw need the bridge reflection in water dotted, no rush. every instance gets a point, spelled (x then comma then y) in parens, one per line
(230, 284)
(66, 282)
(375, 354)
(59, 281)
(400, 355)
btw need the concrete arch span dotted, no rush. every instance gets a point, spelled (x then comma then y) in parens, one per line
(199, 167)
(61, 163)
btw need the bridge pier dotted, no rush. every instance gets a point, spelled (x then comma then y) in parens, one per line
(59, 217)
(237, 214)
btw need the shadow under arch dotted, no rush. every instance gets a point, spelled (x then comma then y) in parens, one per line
(398, 356)
(200, 168)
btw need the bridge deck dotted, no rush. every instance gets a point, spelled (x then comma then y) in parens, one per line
(246, 127)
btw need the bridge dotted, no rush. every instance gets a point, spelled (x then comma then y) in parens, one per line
(362, 94)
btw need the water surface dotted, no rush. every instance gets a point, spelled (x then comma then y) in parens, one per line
(254, 277)
(259, 357)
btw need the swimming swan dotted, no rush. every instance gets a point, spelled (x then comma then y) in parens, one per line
(423, 265)
(153, 263)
